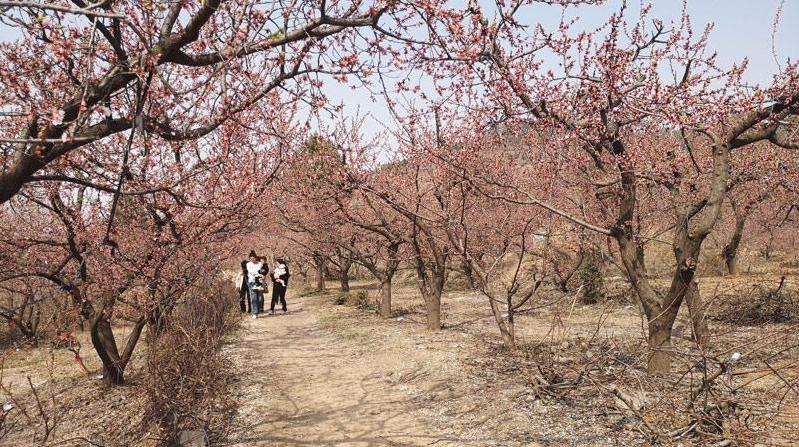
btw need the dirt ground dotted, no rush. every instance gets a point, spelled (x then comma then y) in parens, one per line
(305, 384)
(328, 375)
(334, 375)
(337, 375)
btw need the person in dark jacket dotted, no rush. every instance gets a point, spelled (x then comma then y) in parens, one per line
(263, 271)
(280, 280)
(244, 289)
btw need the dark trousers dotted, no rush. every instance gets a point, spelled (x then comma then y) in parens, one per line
(261, 301)
(244, 298)
(278, 294)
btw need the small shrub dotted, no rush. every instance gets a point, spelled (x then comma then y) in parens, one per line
(361, 298)
(362, 301)
(789, 264)
(342, 298)
(308, 289)
(457, 281)
(760, 305)
(591, 277)
(187, 378)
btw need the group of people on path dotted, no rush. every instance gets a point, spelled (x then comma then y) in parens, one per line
(252, 284)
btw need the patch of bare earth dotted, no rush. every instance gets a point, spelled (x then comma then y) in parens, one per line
(68, 407)
(335, 375)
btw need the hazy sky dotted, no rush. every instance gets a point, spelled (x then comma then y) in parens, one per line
(742, 29)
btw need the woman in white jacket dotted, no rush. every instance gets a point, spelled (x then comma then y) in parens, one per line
(254, 284)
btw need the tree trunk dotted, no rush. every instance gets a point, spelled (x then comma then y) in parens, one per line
(506, 329)
(433, 304)
(697, 310)
(385, 298)
(345, 280)
(768, 249)
(510, 326)
(468, 274)
(683, 287)
(660, 312)
(730, 251)
(392, 263)
(732, 265)
(694, 224)
(509, 335)
(320, 280)
(641, 255)
(659, 346)
(106, 348)
(320, 274)
(431, 284)
(344, 266)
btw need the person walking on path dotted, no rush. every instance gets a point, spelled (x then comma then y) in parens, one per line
(264, 273)
(254, 284)
(244, 289)
(280, 280)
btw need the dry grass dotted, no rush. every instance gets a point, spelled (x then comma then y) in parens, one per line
(577, 378)
(179, 382)
(574, 361)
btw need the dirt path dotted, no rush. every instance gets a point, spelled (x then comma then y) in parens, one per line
(306, 385)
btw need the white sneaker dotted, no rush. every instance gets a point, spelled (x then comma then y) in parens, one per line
(254, 316)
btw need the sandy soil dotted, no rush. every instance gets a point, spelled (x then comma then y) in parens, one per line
(327, 375)
(335, 375)
(306, 385)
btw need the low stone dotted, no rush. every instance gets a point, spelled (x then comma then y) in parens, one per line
(192, 438)
(629, 402)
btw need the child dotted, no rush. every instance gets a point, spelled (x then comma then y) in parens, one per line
(259, 285)
(263, 273)
(280, 270)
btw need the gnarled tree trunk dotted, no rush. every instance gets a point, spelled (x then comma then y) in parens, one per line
(431, 285)
(385, 298)
(694, 223)
(344, 278)
(730, 251)
(697, 309)
(319, 266)
(105, 345)
(506, 326)
(660, 311)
